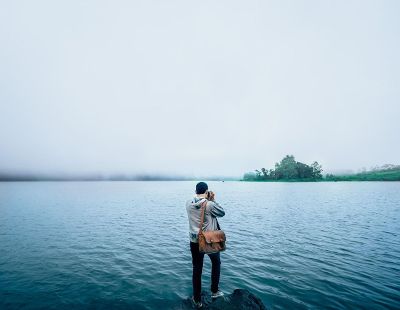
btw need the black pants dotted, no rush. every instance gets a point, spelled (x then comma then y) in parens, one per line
(197, 261)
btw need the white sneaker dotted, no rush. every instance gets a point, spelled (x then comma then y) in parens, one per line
(217, 294)
(197, 304)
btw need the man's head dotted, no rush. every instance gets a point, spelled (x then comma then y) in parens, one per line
(201, 188)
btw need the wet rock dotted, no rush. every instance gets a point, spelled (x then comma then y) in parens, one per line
(240, 299)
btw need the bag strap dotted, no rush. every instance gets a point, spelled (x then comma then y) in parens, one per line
(203, 207)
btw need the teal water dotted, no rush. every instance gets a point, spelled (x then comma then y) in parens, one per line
(90, 245)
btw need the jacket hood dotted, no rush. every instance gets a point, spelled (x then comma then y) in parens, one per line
(196, 202)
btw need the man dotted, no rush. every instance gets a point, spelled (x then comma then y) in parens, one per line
(212, 211)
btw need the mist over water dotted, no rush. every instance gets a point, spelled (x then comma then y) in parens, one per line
(197, 88)
(125, 244)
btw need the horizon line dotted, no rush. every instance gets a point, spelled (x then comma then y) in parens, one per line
(15, 177)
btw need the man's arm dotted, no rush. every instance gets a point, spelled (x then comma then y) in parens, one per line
(216, 210)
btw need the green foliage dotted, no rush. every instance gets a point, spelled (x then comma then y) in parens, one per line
(384, 173)
(316, 170)
(288, 169)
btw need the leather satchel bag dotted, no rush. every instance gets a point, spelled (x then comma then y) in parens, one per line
(212, 241)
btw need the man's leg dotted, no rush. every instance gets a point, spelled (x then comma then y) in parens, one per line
(197, 261)
(215, 271)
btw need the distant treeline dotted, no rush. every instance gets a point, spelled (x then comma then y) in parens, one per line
(288, 169)
(383, 173)
(28, 177)
(7, 177)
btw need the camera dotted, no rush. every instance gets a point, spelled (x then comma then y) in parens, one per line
(210, 195)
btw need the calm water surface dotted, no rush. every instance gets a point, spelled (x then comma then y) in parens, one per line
(125, 244)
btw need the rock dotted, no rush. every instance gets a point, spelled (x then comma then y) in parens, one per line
(240, 299)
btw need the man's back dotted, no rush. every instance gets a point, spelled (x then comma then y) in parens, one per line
(212, 211)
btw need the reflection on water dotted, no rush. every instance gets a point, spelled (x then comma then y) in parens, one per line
(125, 244)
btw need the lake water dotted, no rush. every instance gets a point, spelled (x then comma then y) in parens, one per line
(105, 245)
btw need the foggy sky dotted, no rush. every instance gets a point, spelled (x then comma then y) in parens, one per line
(198, 87)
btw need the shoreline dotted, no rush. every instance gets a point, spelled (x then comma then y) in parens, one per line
(181, 180)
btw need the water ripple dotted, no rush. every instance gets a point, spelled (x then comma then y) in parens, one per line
(121, 245)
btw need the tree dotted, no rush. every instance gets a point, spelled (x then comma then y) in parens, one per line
(265, 173)
(316, 170)
(287, 168)
(272, 174)
(304, 171)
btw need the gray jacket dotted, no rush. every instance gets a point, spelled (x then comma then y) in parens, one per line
(212, 211)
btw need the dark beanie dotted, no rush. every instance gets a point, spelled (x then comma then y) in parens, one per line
(201, 188)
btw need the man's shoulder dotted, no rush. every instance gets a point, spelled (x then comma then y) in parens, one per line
(194, 203)
(210, 203)
(189, 203)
